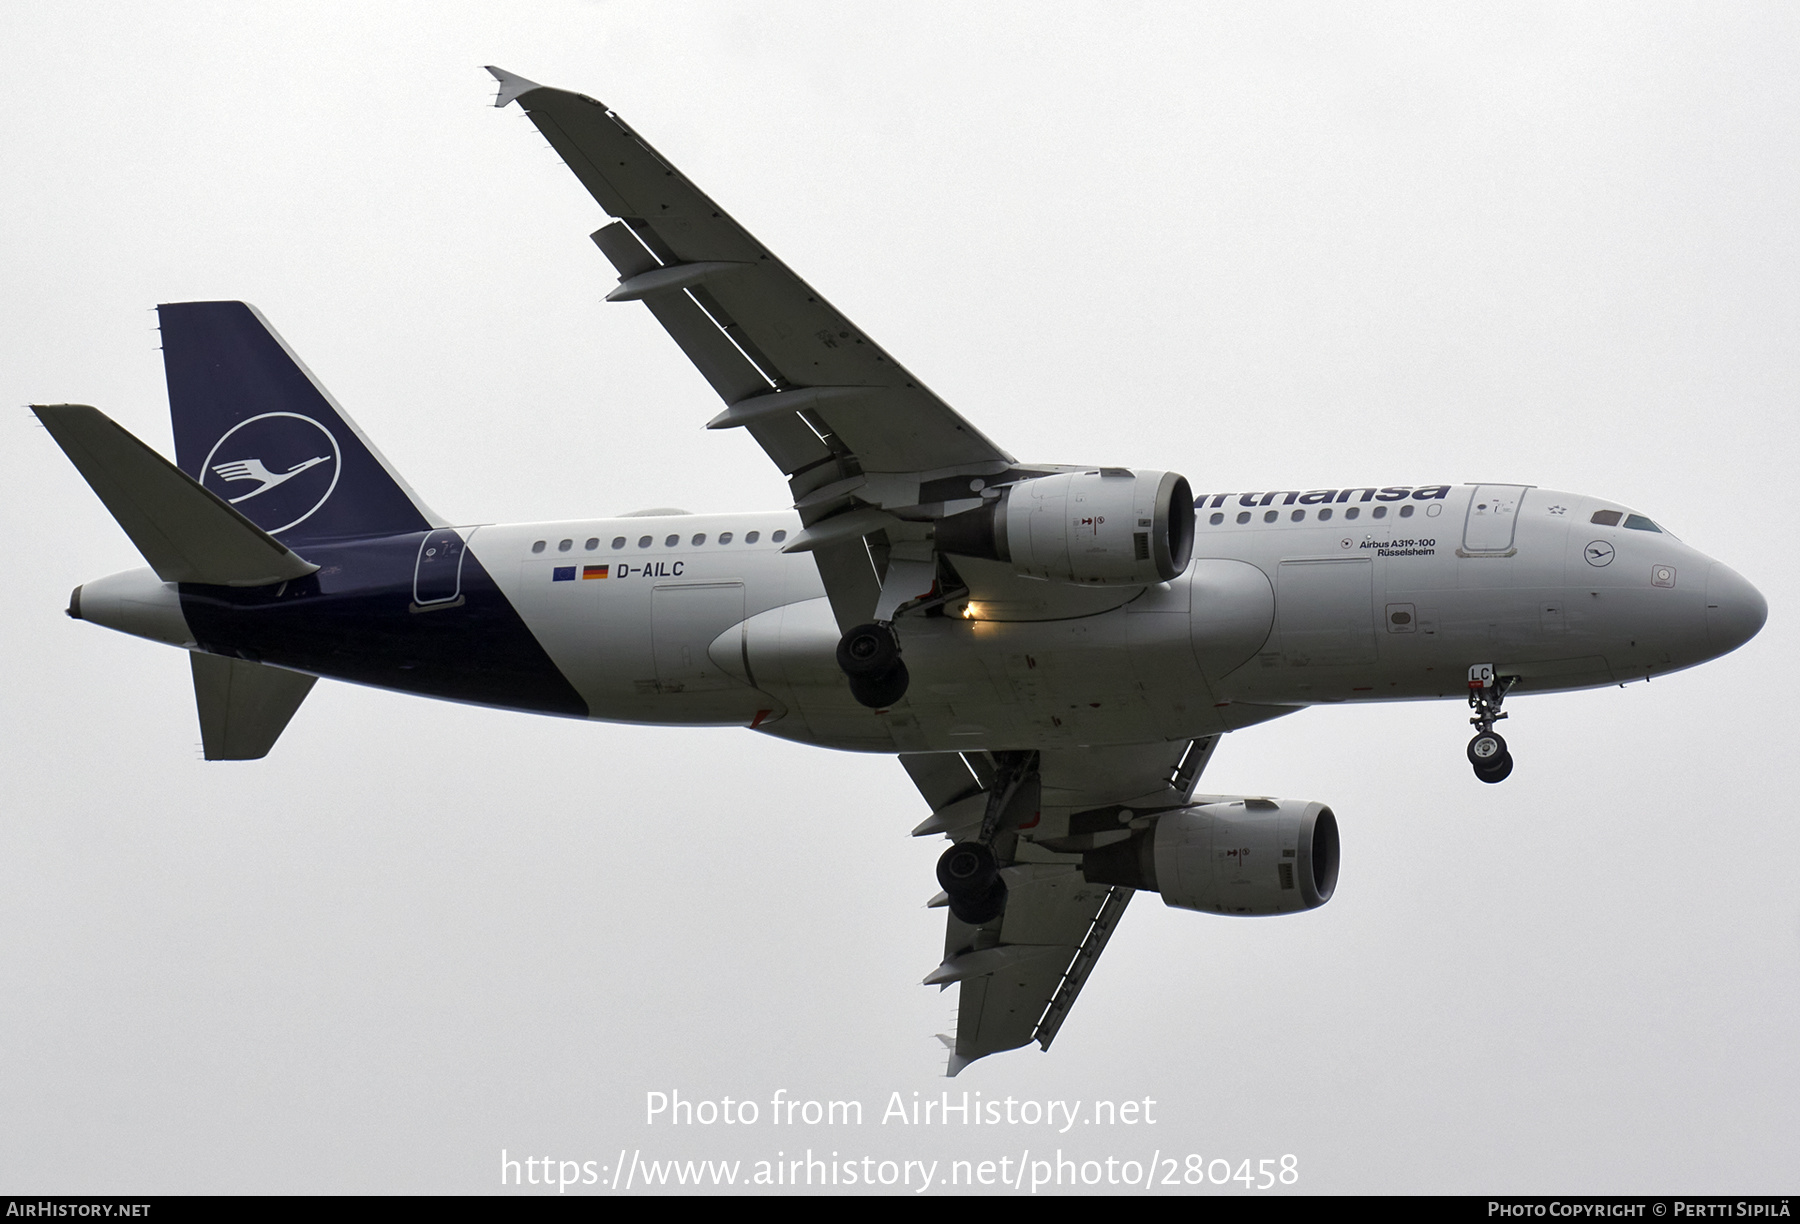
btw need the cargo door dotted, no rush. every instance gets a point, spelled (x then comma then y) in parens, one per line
(685, 618)
(1326, 611)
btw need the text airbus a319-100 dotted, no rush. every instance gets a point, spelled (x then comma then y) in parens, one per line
(1053, 651)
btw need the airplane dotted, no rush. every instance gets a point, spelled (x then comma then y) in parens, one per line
(1053, 651)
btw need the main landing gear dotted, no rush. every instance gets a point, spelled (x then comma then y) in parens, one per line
(970, 877)
(968, 872)
(1487, 751)
(869, 656)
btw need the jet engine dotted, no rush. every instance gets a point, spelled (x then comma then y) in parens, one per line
(1229, 856)
(1107, 526)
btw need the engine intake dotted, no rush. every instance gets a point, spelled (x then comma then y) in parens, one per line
(1107, 527)
(1230, 856)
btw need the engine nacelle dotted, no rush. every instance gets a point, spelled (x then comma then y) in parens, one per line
(1230, 856)
(1106, 527)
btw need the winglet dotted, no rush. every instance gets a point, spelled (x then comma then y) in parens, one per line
(511, 86)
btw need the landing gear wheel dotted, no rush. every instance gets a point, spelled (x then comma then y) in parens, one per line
(869, 656)
(870, 651)
(1495, 771)
(1486, 750)
(967, 869)
(971, 878)
(881, 691)
(989, 907)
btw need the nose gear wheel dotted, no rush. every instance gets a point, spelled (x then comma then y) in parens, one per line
(1488, 755)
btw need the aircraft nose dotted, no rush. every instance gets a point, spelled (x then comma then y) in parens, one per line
(1735, 610)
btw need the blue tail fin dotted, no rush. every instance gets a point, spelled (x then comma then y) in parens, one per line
(253, 426)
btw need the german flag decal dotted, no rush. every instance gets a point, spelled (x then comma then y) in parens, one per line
(594, 571)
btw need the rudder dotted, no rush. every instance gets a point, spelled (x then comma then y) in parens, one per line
(255, 427)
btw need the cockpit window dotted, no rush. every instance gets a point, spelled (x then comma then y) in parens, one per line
(1638, 522)
(1606, 518)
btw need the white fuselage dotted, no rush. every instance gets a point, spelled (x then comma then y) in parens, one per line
(1282, 610)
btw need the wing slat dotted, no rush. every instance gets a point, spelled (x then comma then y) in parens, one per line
(1076, 974)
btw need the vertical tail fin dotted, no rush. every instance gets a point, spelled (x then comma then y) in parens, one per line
(254, 426)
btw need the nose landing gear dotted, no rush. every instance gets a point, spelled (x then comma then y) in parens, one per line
(1487, 751)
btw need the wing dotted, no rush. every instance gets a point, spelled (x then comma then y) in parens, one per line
(854, 431)
(1020, 974)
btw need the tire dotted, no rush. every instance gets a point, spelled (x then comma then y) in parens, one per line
(1485, 749)
(1497, 771)
(967, 870)
(880, 692)
(991, 905)
(869, 651)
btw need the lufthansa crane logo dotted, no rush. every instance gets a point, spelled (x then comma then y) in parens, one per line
(277, 469)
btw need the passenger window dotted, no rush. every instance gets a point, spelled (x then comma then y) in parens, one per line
(538, 547)
(565, 546)
(698, 540)
(593, 543)
(751, 537)
(724, 537)
(1406, 510)
(1378, 512)
(1243, 516)
(1269, 516)
(618, 542)
(779, 536)
(1325, 514)
(1299, 516)
(1638, 522)
(672, 541)
(1216, 519)
(643, 541)
(1606, 518)
(1352, 512)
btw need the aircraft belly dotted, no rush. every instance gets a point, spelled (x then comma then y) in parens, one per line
(1231, 612)
(1120, 677)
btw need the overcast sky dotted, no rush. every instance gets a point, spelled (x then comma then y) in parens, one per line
(1281, 247)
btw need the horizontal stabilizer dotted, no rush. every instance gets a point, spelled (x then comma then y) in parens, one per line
(186, 533)
(244, 707)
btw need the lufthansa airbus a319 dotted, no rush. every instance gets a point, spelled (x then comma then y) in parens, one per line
(1053, 651)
